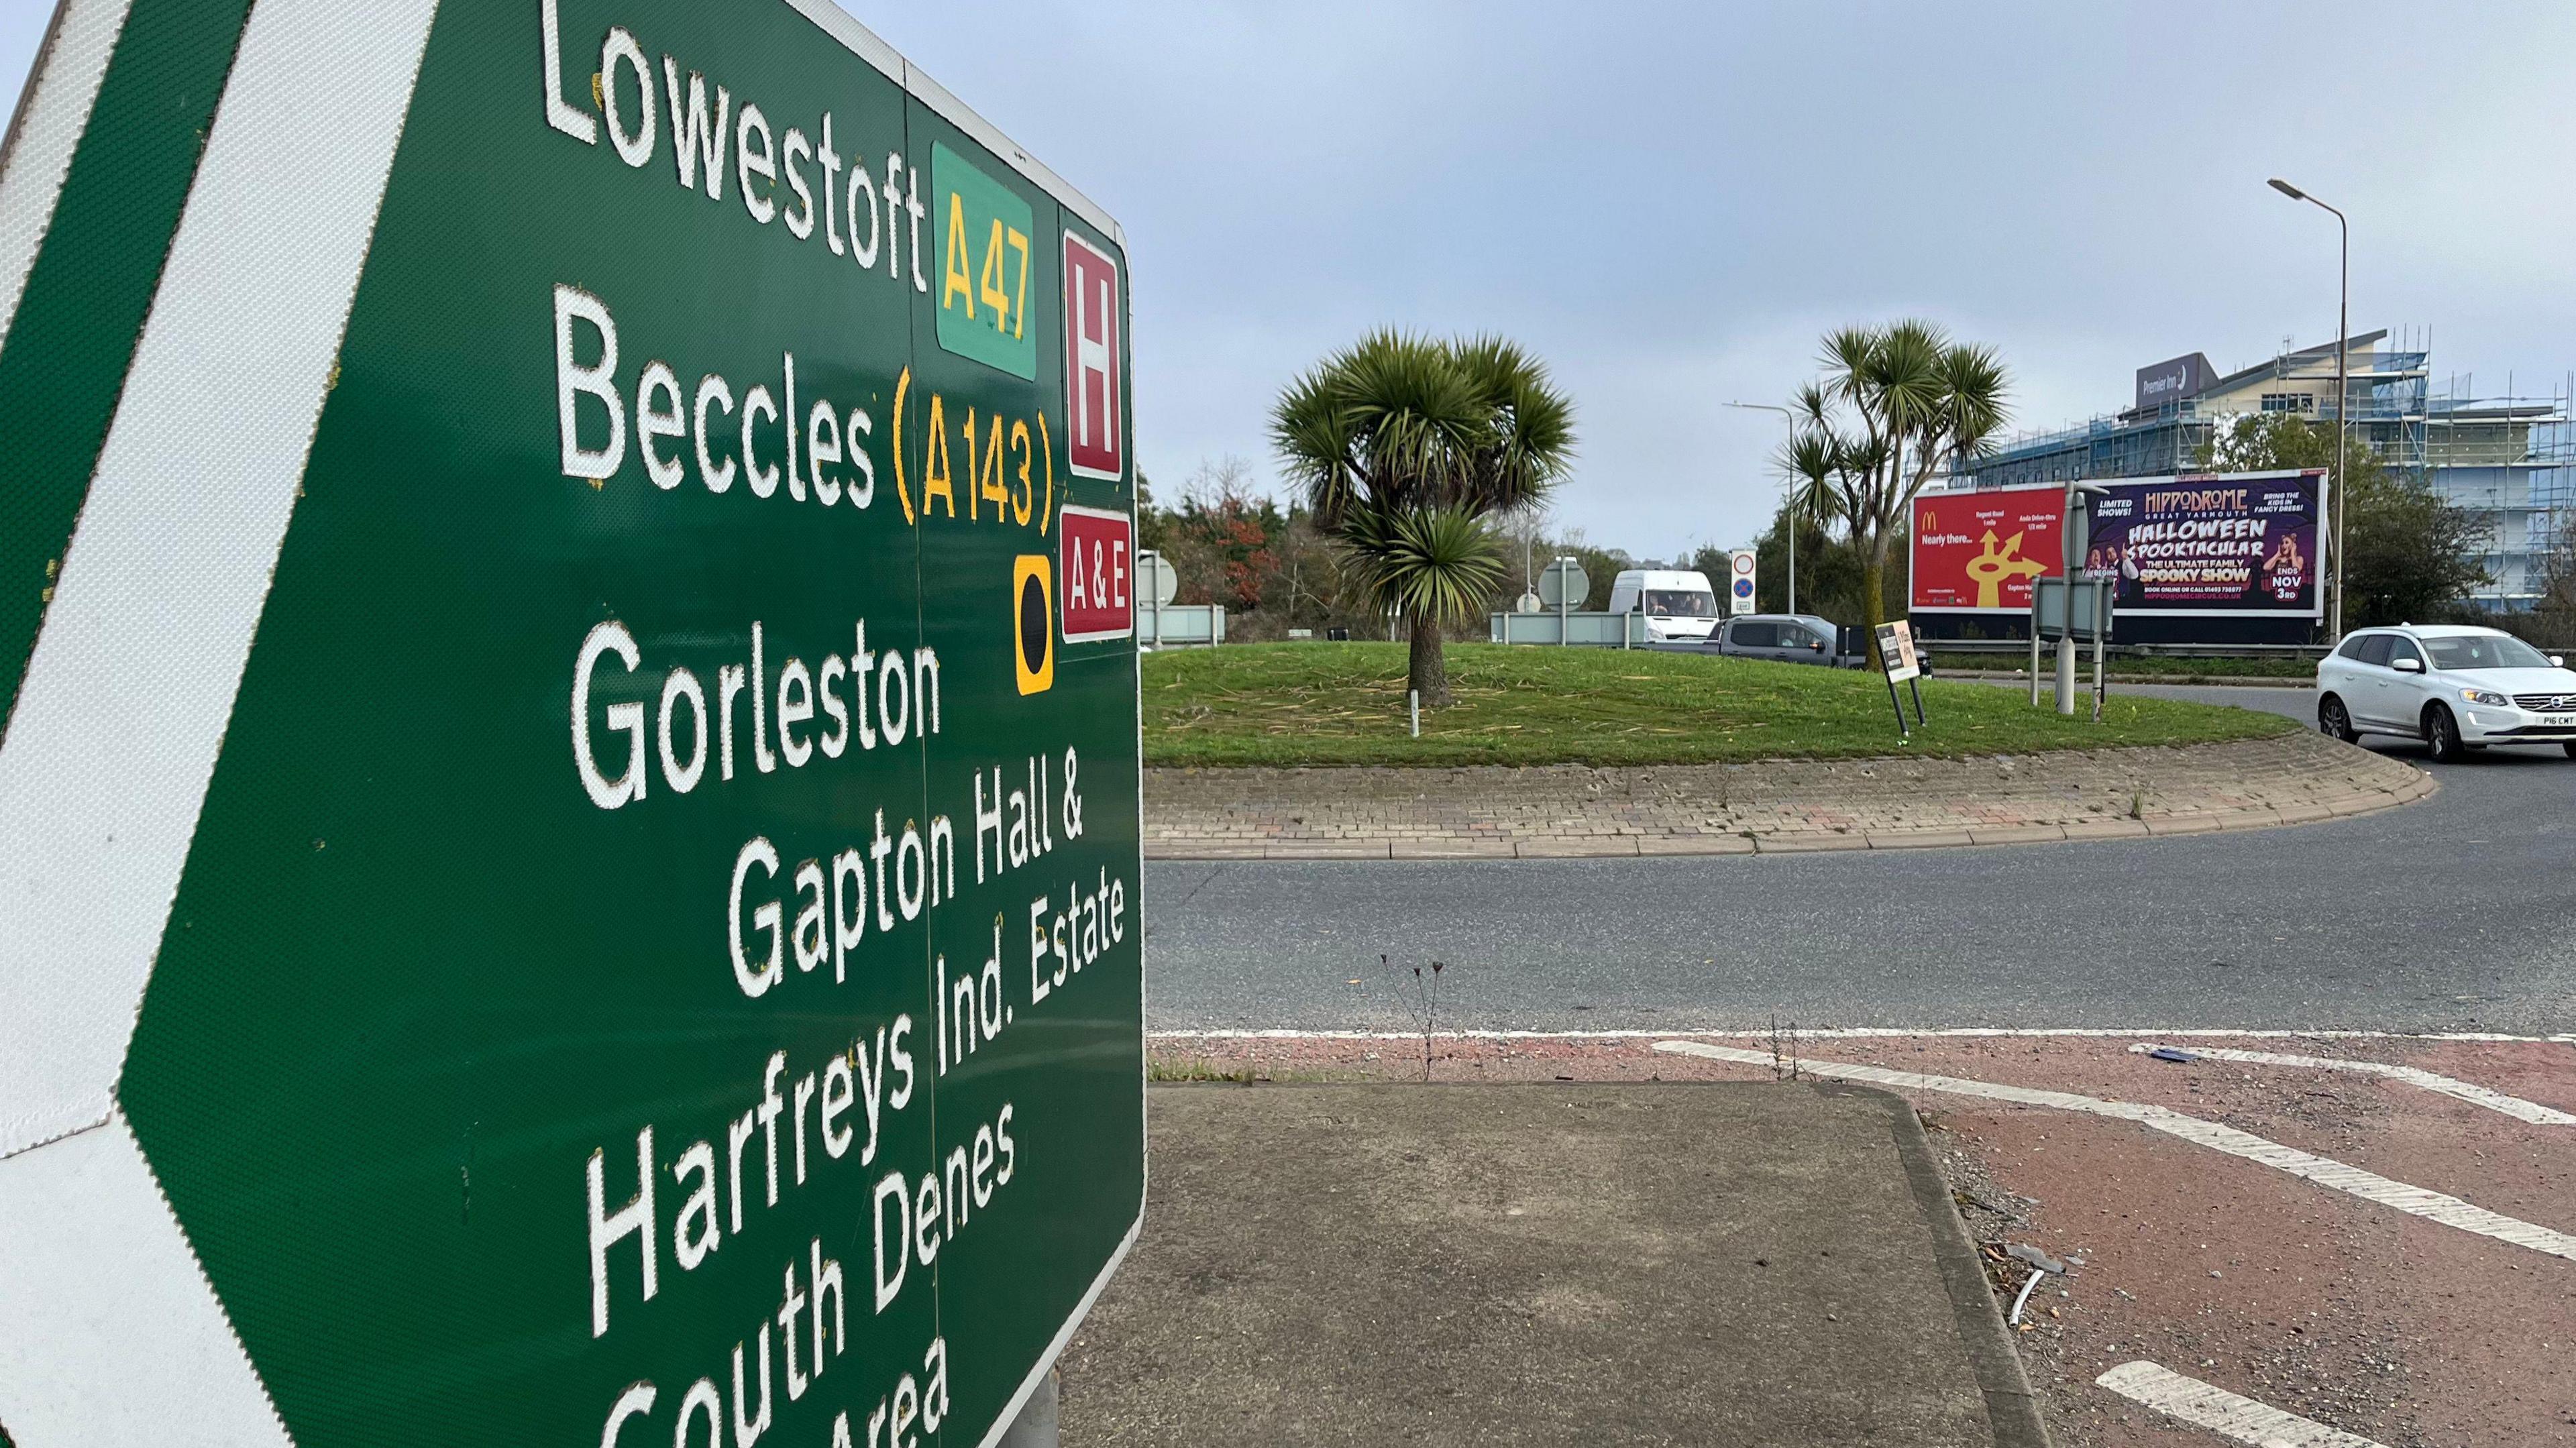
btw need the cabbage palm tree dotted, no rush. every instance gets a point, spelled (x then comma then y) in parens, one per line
(1893, 404)
(1405, 446)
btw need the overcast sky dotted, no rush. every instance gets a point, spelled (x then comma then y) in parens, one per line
(1670, 202)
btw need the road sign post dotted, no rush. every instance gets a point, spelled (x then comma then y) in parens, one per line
(1739, 593)
(1562, 585)
(583, 750)
(1158, 585)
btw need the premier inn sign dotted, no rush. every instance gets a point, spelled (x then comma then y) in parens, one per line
(2173, 381)
(568, 811)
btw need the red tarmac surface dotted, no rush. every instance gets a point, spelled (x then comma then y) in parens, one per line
(2400, 1329)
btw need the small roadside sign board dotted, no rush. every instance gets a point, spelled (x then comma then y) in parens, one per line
(1896, 649)
(1739, 593)
(569, 793)
(1903, 666)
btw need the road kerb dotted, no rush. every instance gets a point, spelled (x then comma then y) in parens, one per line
(1802, 842)
(1709, 844)
(2107, 830)
(2250, 819)
(1452, 849)
(1577, 847)
(1917, 839)
(2018, 834)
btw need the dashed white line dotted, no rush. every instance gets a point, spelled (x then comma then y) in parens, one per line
(2433, 1206)
(2469, 1091)
(2223, 1412)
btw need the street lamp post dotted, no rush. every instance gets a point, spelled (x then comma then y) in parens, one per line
(2343, 396)
(1793, 506)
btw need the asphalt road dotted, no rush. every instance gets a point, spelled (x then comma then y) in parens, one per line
(2457, 914)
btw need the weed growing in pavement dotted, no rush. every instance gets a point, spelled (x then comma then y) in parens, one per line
(1784, 1051)
(2138, 802)
(1421, 1001)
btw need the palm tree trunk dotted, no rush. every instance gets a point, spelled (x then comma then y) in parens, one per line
(1873, 593)
(1427, 668)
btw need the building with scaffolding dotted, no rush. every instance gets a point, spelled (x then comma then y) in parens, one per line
(2509, 460)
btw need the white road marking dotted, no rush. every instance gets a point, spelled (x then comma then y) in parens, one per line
(2221, 1411)
(2434, 1206)
(2476, 1095)
(1862, 1033)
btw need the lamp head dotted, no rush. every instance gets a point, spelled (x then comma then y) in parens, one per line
(2286, 189)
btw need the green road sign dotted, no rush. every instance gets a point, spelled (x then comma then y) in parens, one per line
(569, 806)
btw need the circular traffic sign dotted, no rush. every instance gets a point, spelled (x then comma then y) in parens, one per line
(1744, 563)
(1744, 588)
(1162, 584)
(1563, 583)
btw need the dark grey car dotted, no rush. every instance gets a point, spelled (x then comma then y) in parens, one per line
(1789, 638)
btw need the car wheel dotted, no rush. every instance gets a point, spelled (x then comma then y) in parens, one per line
(2335, 719)
(2442, 734)
(2570, 747)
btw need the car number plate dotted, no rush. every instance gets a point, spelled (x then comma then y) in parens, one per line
(2558, 721)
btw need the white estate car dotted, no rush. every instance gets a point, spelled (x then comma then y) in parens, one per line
(2452, 687)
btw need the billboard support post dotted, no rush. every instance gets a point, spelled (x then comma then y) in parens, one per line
(2101, 640)
(2079, 500)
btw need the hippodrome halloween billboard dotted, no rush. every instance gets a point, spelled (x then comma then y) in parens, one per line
(2233, 543)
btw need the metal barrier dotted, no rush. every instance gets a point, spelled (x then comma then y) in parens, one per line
(1180, 625)
(1588, 630)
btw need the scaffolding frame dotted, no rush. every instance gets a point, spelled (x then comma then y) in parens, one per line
(2511, 459)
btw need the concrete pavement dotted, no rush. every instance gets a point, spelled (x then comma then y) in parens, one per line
(2372, 1235)
(1772, 1266)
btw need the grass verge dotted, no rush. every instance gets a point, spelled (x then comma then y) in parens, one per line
(1325, 704)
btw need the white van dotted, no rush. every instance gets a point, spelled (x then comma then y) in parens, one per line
(1679, 605)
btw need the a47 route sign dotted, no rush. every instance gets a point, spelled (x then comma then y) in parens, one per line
(553, 888)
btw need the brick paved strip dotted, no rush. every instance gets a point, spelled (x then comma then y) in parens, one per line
(1328, 850)
(1773, 807)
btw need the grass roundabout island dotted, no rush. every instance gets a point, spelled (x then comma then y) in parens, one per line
(1322, 705)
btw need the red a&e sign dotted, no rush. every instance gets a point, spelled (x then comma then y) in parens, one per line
(1092, 365)
(1097, 565)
